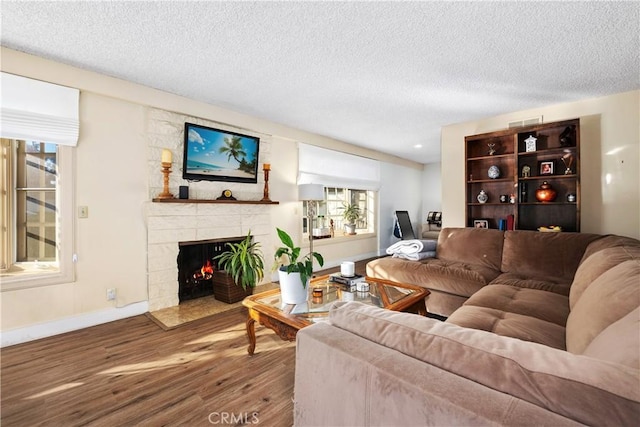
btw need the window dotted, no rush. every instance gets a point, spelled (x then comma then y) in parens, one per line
(332, 208)
(36, 180)
(35, 214)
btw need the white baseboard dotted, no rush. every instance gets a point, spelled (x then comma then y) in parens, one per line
(68, 324)
(360, 257)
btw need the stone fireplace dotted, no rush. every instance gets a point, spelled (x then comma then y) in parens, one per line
(199, 219)
(170, 224)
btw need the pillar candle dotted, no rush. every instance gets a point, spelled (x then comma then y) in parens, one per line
(166, 156)
(347, 268)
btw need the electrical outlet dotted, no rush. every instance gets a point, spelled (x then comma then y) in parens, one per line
(111, 294)
(83, 212)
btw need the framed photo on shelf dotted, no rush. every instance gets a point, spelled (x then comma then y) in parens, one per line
(546, 168)
(480, 223)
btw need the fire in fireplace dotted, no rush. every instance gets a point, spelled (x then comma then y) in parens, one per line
(196, 265)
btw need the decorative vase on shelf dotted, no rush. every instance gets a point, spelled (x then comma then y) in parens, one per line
(494, 172)
(482, 197)
(546, 193)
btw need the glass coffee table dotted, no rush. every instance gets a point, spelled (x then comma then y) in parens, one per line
(286, 320)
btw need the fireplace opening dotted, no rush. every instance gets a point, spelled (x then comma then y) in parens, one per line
(196, 266)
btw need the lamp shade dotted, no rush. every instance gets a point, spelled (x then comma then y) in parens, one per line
(310, 192)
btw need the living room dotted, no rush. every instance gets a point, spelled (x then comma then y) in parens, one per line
(117, 173)
(117, 200)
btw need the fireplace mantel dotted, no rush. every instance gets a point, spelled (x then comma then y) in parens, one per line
(239, 202)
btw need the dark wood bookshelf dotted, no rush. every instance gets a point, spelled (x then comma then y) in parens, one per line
(511, 156)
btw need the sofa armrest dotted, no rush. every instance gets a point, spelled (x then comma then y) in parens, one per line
(345, 380)
(588, 390)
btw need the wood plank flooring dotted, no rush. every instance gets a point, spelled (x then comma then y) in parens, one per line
(131, 372)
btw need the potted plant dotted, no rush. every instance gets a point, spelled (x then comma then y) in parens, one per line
(244, 264)
(351, 214)
(294, 274)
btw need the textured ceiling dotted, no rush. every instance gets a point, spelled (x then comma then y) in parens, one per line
(384, 75)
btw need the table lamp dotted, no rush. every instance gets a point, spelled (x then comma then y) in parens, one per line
(311, 193)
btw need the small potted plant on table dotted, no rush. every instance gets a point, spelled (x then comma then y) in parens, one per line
(244, 264)
(294, 274)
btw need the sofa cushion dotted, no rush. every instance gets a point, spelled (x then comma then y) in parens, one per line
(512, 325)
(624, 336)
(471, 246)
(577, 387)
(453, 277)
(543, 305)
(544, 255)
(550, 284)
(594, 263)
(611, 296)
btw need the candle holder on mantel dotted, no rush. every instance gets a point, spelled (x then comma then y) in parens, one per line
(166, 170)
(266, 168)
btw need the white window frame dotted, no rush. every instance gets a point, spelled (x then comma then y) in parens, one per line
(23, 275)
(371, 213)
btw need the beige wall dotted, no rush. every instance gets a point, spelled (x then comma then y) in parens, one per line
(111, 177)
(610, 160)
(112, 170)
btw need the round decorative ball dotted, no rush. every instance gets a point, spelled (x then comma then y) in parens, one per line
(494, 172)
(546, 193)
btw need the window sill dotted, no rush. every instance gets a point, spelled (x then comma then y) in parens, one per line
(338, 239)
(25, 278)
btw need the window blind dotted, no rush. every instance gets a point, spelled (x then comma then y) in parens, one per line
(336, 169)
(39, 111)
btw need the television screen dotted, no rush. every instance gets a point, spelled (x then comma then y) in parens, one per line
(219, 155)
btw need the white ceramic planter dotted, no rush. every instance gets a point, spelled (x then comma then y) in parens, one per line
(291, 289)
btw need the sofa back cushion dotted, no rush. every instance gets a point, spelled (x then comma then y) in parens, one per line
(600, 256)
(538, 255)
(610, 297)
(471, 246)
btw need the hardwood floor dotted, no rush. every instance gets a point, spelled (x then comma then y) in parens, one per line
(131, 372)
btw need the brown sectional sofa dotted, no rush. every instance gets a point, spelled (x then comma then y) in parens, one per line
(542, 329)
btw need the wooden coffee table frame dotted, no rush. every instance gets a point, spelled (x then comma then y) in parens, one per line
(287, 325)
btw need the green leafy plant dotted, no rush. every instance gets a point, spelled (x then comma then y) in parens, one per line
(244, 262)
(351, 212)
(292, 253)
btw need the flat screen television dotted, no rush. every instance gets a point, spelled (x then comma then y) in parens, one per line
(219, 155)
